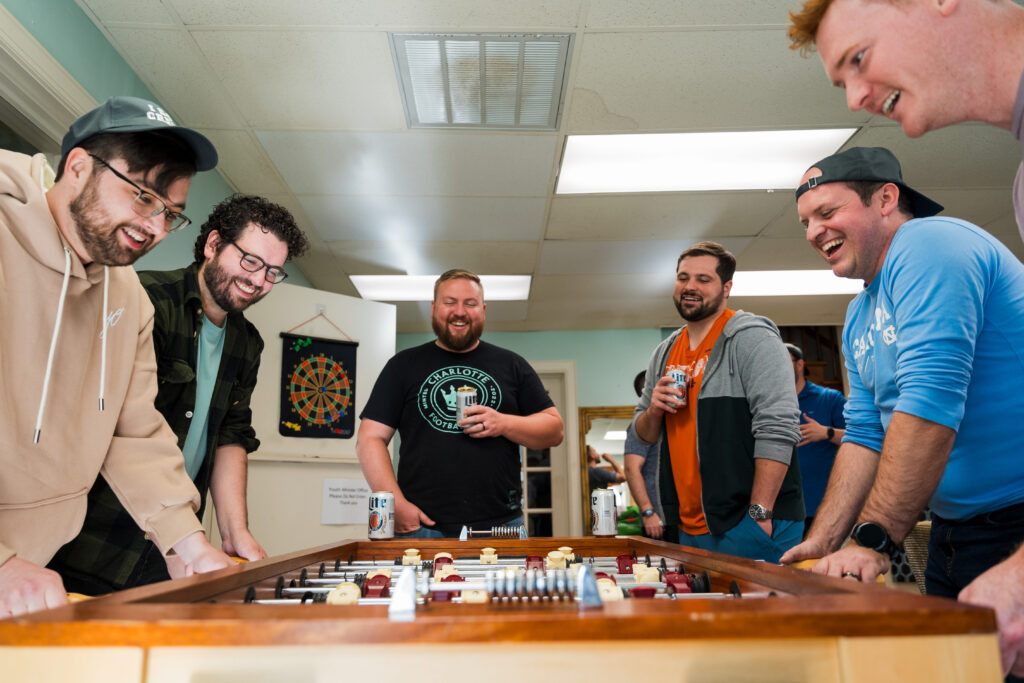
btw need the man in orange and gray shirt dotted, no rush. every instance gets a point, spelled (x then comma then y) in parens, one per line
(732, 469)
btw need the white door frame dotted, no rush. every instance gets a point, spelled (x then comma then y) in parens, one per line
(570, 420)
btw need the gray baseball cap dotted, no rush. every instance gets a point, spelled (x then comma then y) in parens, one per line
(124, 114)
(872, 164)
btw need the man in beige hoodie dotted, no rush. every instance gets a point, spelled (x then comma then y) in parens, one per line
(77, 367)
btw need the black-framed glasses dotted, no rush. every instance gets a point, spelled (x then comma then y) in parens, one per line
(147, 205)
(254, 264)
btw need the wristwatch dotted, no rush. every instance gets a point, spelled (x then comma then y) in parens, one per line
(873, 536)
(830, 433)
(648, 512)
(759, 512)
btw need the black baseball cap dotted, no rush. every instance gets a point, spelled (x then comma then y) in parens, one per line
(795, 351)
(122, 114)
(872, 164)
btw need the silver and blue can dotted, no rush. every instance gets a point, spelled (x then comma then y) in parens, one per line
(681, 377)
(602, 511)
(381, 524)
(464, 397)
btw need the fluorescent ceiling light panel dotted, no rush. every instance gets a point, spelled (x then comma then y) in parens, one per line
(792, 283)
(682, 162)
(619, 435)
(421, 287)
(482, 80)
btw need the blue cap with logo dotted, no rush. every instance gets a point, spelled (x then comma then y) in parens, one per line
(122, 114)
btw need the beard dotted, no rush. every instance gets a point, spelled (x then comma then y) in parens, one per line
(707, 308)
(461, 342)
(100, 241)
(218, 283)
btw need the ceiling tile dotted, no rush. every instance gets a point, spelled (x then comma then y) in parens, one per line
(636, 256)
(699, 80)
(672, 13)
(414, 163)
(445, 15)
(422, 219)
(307, 79)
(403, 257)
(684, 215)
(160, 57)
(243, 163)
(136, 12)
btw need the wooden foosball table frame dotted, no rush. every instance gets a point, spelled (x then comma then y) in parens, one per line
(811, 628)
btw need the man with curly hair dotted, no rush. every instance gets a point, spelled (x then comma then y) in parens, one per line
(208, 356)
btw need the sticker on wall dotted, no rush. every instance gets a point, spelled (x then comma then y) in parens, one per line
(318, 387)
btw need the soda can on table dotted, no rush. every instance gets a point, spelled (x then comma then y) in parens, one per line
(602, 510)
(381, 523)
(464, 397)
(681, 377)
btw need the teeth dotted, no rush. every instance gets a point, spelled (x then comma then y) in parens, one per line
(135, 236)
(830, 245)
(890, 102)
(245, 288)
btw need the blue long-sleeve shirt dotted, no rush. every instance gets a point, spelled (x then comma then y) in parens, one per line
(939, 334)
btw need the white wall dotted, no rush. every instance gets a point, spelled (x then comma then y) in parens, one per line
(286, 474)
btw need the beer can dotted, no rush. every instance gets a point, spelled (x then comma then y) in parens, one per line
(381, 523)
(681, 377)
(464, 397)
(602, 510)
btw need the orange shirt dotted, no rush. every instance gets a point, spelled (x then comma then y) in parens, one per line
(681, 428)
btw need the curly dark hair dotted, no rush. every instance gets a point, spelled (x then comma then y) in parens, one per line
(232, 216)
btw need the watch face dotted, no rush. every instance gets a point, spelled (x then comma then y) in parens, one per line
(871, 535)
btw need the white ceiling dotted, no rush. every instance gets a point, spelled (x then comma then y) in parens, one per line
(302, 101)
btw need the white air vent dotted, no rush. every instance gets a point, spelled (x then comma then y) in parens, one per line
(481, 80)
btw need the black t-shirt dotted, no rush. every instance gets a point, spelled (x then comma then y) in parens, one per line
(454, 478)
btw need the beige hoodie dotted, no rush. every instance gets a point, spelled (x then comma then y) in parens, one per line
(43, 485)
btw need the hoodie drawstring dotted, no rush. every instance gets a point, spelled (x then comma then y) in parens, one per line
(53, 343)
(103, 335)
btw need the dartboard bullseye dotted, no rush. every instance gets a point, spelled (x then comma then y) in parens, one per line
(320, 390)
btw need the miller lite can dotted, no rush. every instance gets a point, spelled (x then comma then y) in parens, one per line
(681, 379)
(381, 523)
(602, 510)
(464, 397)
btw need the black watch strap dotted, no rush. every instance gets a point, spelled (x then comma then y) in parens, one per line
(873, 535)
(831, 433)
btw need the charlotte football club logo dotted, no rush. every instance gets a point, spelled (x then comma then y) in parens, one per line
(436, 397)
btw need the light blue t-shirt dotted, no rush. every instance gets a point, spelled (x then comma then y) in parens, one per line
(211, 345)
(939, 334)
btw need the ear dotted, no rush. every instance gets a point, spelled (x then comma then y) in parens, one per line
(945, 7)
(726, 288)
(213, 241)
(889, 195)
(78, 168)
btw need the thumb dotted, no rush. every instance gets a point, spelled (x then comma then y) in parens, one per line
(425, 520)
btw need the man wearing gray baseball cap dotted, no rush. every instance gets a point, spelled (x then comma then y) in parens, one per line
(933, 347)
(78, 369)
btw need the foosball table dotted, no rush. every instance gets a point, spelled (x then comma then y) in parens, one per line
(505, 610)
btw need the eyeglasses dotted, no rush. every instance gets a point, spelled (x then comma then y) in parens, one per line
(255, 264)
(147, 205)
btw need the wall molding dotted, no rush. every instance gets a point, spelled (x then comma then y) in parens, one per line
(38, 98)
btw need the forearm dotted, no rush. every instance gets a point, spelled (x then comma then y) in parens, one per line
(914, 457)
(228, 489)
(648, 426)
(635, 481)
(375, 461)
(848, 485)
(837, 436)
(768, 476)
(538, 431)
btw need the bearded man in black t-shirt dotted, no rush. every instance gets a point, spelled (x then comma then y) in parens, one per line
(454, 473)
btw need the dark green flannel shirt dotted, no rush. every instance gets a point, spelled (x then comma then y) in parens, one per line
(111, 552)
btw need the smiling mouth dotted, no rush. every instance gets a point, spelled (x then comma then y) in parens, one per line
(246, 289)
(890, 101)
(692, 299)
(830, 247)
(135, 238)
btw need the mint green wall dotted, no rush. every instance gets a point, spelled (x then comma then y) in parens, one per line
(606, 360)
(66, 32)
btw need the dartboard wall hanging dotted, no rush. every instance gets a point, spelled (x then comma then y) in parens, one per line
(318, 387)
